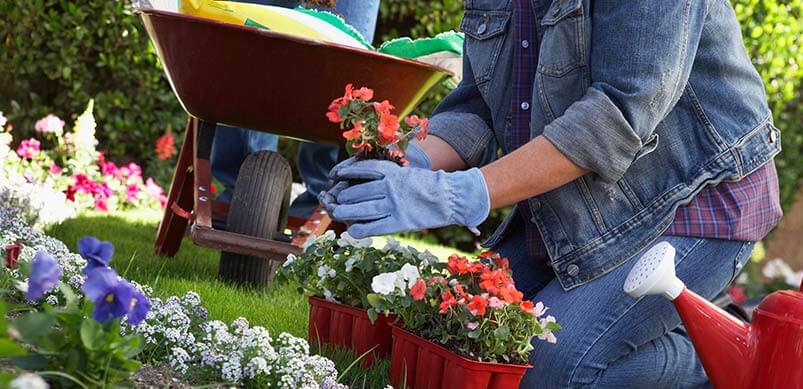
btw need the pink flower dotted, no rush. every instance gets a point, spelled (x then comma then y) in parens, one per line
(156, 191)
(419, 290)
(103, 190)
(55, 169)
(496, 303)
(100, 205)
(109, 168)
(737, 293)
(472, 325)
(50, 124)
(131, 192)
(28, 148)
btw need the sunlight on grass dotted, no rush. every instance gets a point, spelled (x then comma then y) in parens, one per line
(195, 268)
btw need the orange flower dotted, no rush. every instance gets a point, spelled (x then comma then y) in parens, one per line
(418, 291)
(457, 265)
(383, 108)
(527, 306)
(363, 147)
(334, 110)
(510, 294)
(447, 301)
(364, 94)
(165, 146)
(477, 305)
(354, 133)
(423, 129)
(460, 292)
(388, 126)
(348, 95)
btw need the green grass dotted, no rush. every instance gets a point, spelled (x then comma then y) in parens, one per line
(195, 268)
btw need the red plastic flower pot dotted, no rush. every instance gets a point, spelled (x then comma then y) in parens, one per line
(12, 254)
(348, 327)
(417, 363)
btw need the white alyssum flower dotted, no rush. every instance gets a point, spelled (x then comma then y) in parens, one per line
(28, 381)
(779, 269)
(52, 300)
(347, 240)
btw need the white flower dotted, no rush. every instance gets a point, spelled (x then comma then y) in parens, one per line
(255, 367)
(290, 259)
(324, 271)
(427, 258)
(384, 283)
(410, 274)
(539, 309)
(328, 236)
(28, 381)
(352, 260)
(327, 294)
(778, 269)
(3, 119)
(52, 300)
(547, 334)
(348, 240)
(393, 245)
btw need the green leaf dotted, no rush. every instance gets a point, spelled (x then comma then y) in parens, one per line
(475, 334)
(502, 333)
(34, 325)
(91, 334)
(372, 315)
(9, 348)
(374, 299)
(30, 362)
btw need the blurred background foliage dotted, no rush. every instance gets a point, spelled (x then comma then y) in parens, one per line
(60, 53)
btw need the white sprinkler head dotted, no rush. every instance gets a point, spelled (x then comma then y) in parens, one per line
(654, 273)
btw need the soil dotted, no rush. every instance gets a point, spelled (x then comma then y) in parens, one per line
(151, 376)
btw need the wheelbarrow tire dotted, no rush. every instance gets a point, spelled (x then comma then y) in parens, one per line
(258, 208)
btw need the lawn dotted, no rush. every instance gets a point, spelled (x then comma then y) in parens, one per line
(195, 268)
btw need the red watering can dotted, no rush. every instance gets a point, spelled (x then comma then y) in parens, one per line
(765, 354)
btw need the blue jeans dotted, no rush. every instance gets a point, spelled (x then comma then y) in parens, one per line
(232, 145)
(611, 340)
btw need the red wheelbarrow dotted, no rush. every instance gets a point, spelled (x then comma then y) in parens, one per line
(262, 80)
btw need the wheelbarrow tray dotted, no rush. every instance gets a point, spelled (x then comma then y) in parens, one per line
(262, 80)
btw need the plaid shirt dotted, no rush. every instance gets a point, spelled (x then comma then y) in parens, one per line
(744, 210)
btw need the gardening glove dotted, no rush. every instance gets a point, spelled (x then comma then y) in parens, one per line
(399, 199)
(415, 156)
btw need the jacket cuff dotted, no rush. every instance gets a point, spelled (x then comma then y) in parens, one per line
(468, 135)
(595, 135)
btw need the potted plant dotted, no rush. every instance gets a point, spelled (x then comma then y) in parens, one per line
(336, 274)
(462, 322)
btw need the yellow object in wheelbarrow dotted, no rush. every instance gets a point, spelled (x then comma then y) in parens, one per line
(278, 19)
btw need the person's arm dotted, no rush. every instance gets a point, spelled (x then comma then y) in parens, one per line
(642, 54)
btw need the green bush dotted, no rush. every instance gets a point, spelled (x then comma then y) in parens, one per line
(772, 31)
(59, 54)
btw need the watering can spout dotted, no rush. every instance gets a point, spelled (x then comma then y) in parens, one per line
(720, 339)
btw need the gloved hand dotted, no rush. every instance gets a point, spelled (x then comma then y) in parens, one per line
(399, 199)
(415, 156)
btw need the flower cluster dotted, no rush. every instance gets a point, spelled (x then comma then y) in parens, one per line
(73, 167)
(371, 129)
(471, 307)
(343, 269)
(176, 331)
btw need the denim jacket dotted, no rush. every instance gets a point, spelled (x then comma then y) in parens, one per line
(656, 98)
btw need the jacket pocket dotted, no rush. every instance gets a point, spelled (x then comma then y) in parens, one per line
(484, 37)
(563, 47)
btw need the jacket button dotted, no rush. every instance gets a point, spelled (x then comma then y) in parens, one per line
(482, 28)
(533, 220)
(773, 136)
(573, 270)
(525, 105)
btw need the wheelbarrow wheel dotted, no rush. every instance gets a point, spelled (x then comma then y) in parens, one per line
(258, 208)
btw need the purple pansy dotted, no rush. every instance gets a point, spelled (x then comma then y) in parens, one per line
(114, 297)
(97, 253)
(45, 275)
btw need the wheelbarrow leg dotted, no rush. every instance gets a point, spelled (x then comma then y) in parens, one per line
(179, 200)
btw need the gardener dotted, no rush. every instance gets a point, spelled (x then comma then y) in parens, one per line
(622, 124)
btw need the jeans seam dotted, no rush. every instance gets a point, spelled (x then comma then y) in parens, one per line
(697, 243)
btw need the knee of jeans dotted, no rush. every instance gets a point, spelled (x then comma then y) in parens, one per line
(553, 364)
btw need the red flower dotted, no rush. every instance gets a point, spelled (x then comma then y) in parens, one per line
(510, 294)
(212, 188)
(165, 146)
(364, 94)
(477, 305)
(363, 146)
(460, 292)
(388, 127)
(355, 133)
(383, 108)
(423, 129)
(457, 265)
(418, 291)
(447, 301)
(527, 306)
(737, 293)
(334, 113)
